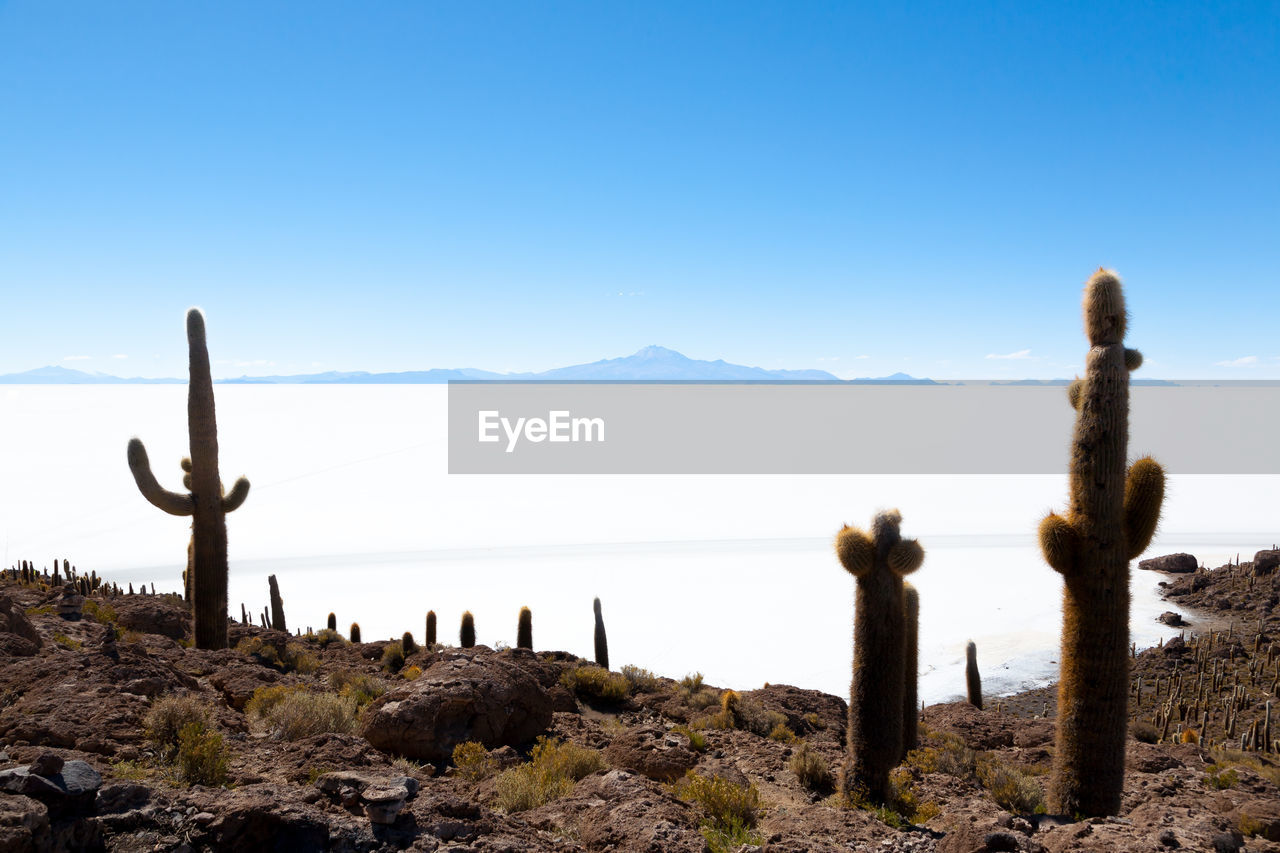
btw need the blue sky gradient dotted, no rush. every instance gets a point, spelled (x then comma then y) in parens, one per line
(860, 188)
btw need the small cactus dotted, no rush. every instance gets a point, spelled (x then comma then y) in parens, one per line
(206, 502)
(602, 641)
(467, 634)
(355, 632)
(431, 629)
(407, 643)
(878, 563)
(1111, 518)
(332, 623)
(972, 679)
(524, 629)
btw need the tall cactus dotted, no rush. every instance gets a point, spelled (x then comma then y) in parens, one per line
(911, 670)
(878, 563)
(972, 677)
(602, 640)
(277, 605)
(206, 503)
(524, 629)
(1111, 519)
(431, 630)
(467, 633)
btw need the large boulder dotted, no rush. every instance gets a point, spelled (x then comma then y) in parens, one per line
(65, 787)
(17, 635)
(153, 614)
(1266, 562)
(1171, 563)
(467, 694)
(652, 752)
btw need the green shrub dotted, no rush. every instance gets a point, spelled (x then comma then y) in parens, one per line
(202, 757)
(596, 682)
(292, 713)
(943, 752)
(393, 656)
(168, 716)
(360, 687)
(642, 680)
(691, 684)
(1011, 789)
(811, 769)
(549, 775)
(473, 761)
(67, 642)
(697, 740)
(327, 636)
(1220, 777)
(782, 734)
(731, 810)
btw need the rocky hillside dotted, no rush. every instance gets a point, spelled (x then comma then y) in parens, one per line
(115, 734)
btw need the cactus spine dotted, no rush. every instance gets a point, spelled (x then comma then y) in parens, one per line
(277, 605)
(524, 629)
(878, 563)
(431, 630)
(972, 678)
(1111, 519)
(911, 666)
(467, 634)
(206, 503)
(602, 641)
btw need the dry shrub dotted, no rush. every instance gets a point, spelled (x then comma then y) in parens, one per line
(360, 687)
(642, 680)
(596, 682)
(292, 713)
(1012, 789)
(549, 775)
(473, 761)
(811, 769)
(165, 721)
(202, 757)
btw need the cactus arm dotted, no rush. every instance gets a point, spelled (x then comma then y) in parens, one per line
(856, 551)
(1075, 393)
(1132, 359)
(1059, 543)
(1143, 496)
(231, 500)
(171, 502)
(905, 557)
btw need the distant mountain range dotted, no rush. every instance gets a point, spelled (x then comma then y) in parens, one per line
(652, 363)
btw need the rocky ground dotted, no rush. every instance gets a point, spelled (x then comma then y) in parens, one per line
(345, 747)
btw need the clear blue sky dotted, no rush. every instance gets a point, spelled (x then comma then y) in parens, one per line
(517, 186)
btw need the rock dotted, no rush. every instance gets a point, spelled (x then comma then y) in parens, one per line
(382, 803)
(18, 636)
(24, 825)
(152, 614)
(647, 751)
(1171, 619)
(1000, 841)
(72, 790)
(1265, 562)
(381, 798)
(70, 604)
(472, 694)
(1171, 563)
(1169, 839)
(47, 764)
(1227, 842)
(122, 797)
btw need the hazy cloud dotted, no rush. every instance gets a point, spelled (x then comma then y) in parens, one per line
(1244, 361)
(76, 357)
(1019, 355)
(860, 357)
(119, 355)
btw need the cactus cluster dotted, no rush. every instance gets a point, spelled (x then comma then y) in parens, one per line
(878, 562)
(205, 502)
